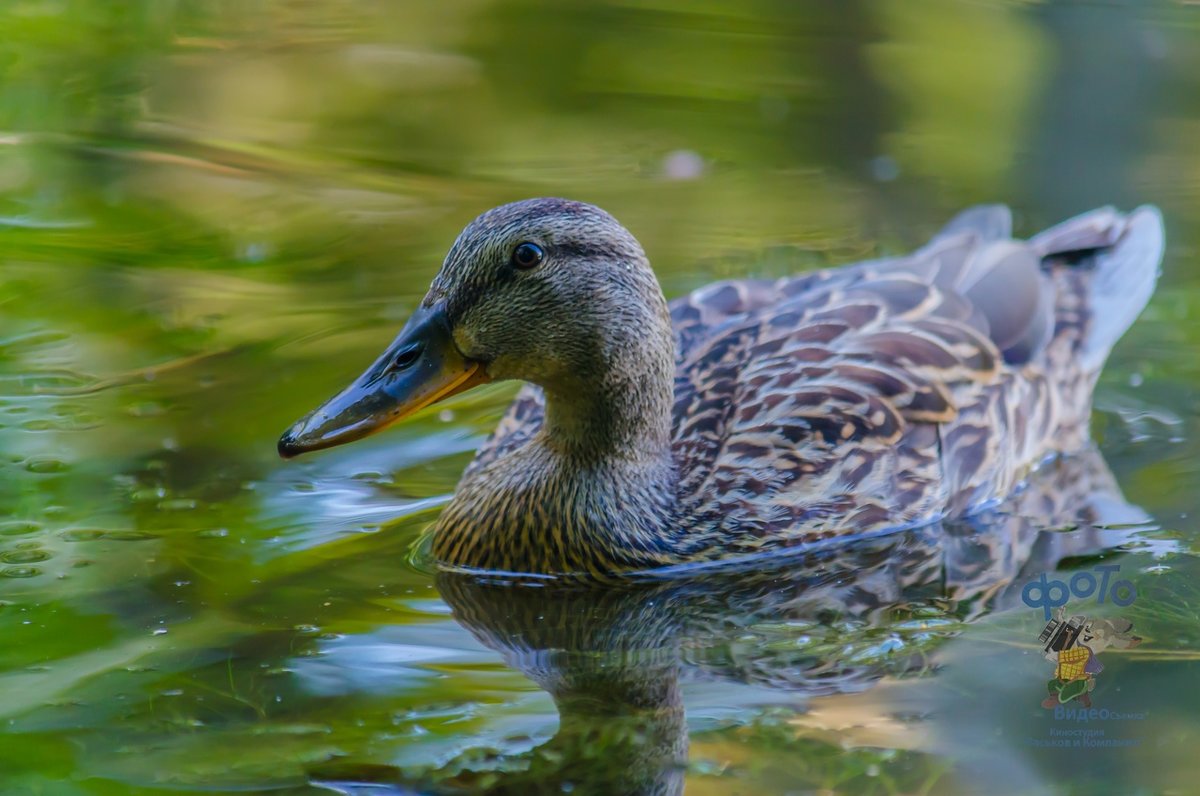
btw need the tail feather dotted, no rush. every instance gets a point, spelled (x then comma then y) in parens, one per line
(1123, 254)
(1095, 229)
(1110, 263)
(989, 222)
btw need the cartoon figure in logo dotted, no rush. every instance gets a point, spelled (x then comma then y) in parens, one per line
(1073, 645)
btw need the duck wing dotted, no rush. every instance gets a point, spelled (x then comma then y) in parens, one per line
(887, 393)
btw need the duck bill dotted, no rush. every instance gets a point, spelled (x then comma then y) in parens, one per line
(421, 367)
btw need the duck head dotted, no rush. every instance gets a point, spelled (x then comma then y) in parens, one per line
(548, 291)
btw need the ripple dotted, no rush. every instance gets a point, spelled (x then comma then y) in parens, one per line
(24, 556)
(146, 409)
(31, 340)
(82, 534)
(96, 534)
(19, 527)
(177, 504)
(39, 425)
(45, 464)
(130, 536)
(80, 422)
(20, 572)
(45, 383)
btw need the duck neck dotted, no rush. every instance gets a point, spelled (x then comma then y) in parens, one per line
(607, 437)
(595, 488)
(615, 417)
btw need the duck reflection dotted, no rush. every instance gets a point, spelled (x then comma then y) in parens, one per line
(613, 657)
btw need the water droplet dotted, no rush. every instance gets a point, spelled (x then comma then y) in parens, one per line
(177, 504)
(158, 631)
(683, 164)
(213, 533)
(254, 251)
(20, 572)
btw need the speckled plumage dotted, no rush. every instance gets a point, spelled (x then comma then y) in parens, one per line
(765, 414)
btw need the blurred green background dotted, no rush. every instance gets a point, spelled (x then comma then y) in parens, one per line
(215, 213)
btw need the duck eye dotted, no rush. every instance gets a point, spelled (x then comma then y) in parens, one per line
(527, 255)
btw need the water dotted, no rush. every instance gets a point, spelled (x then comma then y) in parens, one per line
(214, 214)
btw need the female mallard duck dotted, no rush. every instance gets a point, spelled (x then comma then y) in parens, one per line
(749, 415)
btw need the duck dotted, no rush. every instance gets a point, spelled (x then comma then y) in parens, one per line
(752, 416)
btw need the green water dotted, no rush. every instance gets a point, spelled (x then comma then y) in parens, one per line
(214, 214)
